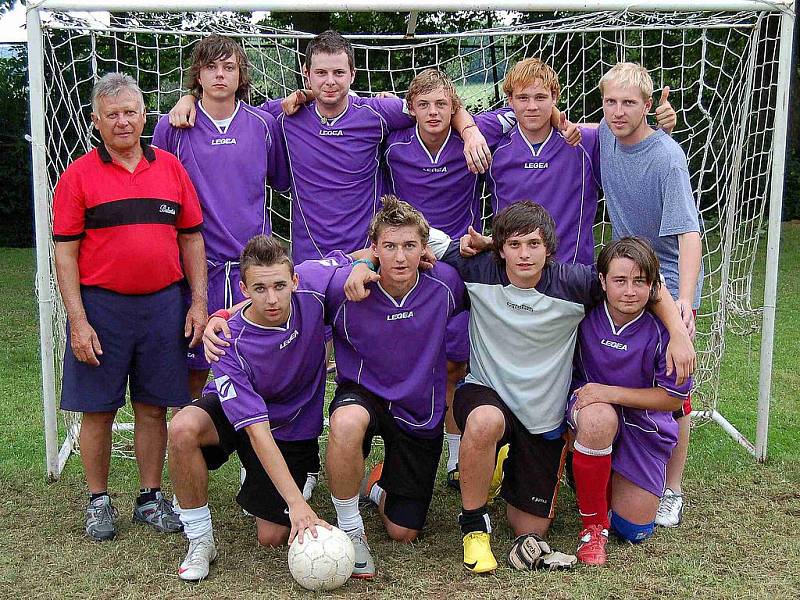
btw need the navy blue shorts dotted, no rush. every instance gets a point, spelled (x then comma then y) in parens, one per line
(143, 344)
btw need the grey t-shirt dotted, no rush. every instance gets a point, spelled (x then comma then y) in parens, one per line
(648, 194)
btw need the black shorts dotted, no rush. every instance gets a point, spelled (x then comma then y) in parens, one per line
(532, 471)
(409, 464)
(258, 495)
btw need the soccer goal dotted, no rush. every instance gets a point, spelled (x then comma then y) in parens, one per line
(727, 63)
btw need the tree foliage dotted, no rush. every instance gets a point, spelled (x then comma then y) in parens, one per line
(16, 204)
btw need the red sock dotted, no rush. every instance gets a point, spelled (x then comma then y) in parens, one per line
(592, 474)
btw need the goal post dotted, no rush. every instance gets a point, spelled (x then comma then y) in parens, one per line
(727, 62)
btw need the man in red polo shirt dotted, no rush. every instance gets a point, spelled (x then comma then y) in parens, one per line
(126, 221)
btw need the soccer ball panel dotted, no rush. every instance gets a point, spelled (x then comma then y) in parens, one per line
(324, 563)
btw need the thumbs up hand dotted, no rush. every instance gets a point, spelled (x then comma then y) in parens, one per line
(666, 118)
(473, 243)
(569, 130)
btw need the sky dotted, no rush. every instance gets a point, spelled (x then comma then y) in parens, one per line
(11, 25)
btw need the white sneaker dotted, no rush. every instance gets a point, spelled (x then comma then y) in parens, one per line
(202, 552)
(364, 566)
(670, 509)
(311, 482)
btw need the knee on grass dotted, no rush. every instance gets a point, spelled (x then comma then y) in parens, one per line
(401, 534)
(631, 532)
(271, 535)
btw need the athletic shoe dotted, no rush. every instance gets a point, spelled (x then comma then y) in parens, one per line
(312, 479)
(366, 485)
(453, 480)
(592, 545)
(529, 552)
(478, 557)
(364, 567)
(159, 514)
(670, 509)
(202, 552)
(497, 476)
(100, 518)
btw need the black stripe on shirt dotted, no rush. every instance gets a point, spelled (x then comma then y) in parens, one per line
(132, 211)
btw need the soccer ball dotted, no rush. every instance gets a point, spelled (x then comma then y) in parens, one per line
(322, 563)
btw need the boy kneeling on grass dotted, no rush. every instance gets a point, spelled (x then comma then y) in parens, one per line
(621, 408)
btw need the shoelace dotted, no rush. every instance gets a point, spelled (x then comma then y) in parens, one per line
(195, 555)
(668, 504)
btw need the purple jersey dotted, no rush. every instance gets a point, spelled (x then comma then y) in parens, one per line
(230, 170)
(441, 187)
(277, 374)
(335, 179)
(396, 348)
(562, 178)
(632, 356)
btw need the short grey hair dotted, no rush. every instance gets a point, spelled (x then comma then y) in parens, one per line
(112, 84)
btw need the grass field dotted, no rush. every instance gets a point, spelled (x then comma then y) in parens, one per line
(739, 538)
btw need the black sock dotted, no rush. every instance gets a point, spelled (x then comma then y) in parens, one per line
(474, 520)
(93, 497)
(147, 495)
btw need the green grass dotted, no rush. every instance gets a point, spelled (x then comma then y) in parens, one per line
(739, 538)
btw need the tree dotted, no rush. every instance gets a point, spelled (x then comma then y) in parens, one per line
(16, 204)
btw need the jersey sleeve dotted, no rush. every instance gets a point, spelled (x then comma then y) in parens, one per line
(69, 209)
(590, 142)
(679, 213)
(392, 110)
(190, 219)
(277, 158)
(273, 107)
(233, 381)
(165, 136)
(316, 275)
(662, 380)
(334, 294)
(495, 124)
(474, 269)
(580, 283)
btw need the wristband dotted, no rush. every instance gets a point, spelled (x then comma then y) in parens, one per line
(366, 261)
(467, 127)
(220, 313)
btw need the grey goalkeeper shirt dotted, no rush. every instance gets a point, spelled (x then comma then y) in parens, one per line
(522, 340)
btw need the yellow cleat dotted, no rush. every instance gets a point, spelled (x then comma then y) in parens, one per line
(497, 476)
(478, 557)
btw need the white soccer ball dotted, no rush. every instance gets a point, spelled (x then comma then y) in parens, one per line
(322, 563)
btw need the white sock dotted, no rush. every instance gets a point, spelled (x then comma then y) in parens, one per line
(348, 517)
(376, 494)
(196, 522)
(453, 444)
(175, 506)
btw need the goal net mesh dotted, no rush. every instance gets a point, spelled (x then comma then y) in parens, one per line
(721, 69)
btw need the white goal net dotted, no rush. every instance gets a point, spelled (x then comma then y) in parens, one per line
(722, 69)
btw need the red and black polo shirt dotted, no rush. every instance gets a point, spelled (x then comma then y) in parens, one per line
(128, 223)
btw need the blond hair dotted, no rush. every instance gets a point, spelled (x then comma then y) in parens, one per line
(430, 80)
(396, 213)
(526, 72)
(627, 74)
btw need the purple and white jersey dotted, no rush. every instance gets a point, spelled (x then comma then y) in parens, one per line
(277, 374)
(441, 187)
(335, 179)
(562, 178)
(631, 356)
(396, 348)
(230, 169)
